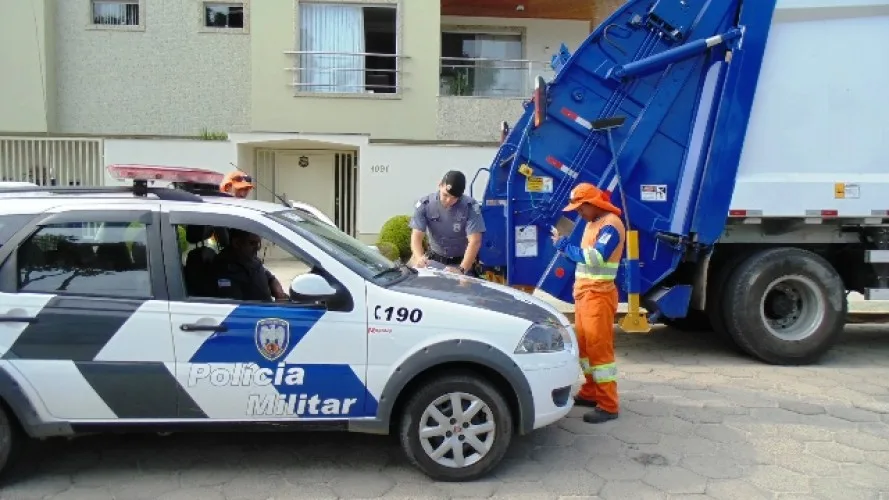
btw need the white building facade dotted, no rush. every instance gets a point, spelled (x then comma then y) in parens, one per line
(359, 125)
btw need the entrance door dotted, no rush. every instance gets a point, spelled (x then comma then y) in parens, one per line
(307, 177)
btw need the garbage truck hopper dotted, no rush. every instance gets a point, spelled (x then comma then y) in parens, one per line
(653, 108)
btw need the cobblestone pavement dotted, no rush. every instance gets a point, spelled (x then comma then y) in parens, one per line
(698, 421)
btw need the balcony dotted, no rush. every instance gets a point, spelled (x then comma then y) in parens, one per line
(488, 66)
(345, 74)
(476, 94)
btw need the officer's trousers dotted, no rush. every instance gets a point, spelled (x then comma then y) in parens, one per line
(594, 323)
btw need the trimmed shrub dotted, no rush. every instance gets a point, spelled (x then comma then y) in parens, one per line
(389, 250)
(397, 232)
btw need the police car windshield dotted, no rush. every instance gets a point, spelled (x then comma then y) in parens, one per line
(369, 263)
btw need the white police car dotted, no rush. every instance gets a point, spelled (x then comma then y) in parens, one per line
(106, 324)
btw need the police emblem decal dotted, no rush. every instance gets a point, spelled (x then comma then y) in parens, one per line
(272, 337)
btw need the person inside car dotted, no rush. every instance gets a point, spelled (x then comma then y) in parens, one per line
(241, 275)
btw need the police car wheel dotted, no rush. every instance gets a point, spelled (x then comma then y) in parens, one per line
(10, 439)
(456, 428)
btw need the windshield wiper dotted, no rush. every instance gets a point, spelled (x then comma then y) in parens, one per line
(396, 268)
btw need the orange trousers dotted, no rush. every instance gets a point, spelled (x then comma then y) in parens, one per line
(594, 314)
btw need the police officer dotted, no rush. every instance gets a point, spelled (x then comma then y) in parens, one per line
(241, 275)
(453, 223)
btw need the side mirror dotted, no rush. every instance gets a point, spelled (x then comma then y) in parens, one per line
(311, 286)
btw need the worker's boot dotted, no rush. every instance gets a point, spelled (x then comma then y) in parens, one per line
(598, 416)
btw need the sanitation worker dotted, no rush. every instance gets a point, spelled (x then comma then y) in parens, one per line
(595, 297)
(237, 184)
(453, 223)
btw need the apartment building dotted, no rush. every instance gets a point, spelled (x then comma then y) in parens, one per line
(355, 106)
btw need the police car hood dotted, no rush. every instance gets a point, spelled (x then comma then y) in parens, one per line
(474, 292)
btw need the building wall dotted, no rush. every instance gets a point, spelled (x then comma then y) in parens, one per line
(392, 177)
(604, 8)
(408, 116)
(26, 56)
(168, 77)
(478, 118)
(211, 155)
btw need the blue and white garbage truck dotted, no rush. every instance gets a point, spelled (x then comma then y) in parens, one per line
(747, 142)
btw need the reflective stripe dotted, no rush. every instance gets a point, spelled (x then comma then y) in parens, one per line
(606, 271)
(585, 366)
(605, 373)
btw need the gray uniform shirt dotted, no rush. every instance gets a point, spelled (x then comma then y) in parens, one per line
(447, 228)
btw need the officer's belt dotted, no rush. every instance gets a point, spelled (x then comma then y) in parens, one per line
(448, 261)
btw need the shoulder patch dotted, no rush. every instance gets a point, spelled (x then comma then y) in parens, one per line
(604, 239)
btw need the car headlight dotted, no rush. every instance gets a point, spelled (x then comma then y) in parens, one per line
(541, 338)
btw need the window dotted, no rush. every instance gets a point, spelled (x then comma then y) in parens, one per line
(115, 13)
(347, 48)
(367, 262)
(9, 224)
(483, 65)
(224, 15)
(201, 247)
(106, 259)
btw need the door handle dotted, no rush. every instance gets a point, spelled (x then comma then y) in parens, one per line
(17, 319)
(197, 327)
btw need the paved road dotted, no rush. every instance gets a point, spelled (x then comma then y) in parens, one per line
(697, 422)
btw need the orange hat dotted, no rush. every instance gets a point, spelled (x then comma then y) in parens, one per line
(587, 193)
(236, 180)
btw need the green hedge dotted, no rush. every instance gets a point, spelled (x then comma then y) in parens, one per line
(397, 232)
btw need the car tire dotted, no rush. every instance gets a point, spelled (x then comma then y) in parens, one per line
(438, 394)
(10, 441)
(785, 306)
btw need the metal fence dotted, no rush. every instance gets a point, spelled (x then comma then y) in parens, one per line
(483, 77)
(52, 161)
(346, 72)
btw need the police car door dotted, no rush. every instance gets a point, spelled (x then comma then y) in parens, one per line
(84, 317)
(260, 361)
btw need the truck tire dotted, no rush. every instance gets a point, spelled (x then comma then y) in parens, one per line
(785, 306)
(483, 437)
(716, 295)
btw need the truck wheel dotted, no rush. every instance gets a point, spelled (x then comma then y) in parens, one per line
(456, 428)
(785, 306)
(716, 295)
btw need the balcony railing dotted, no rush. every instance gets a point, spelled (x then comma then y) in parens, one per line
(346, 72)
(483, 77)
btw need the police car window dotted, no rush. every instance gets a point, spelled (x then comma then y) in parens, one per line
(201, 248)
(9, 224)
(106, 259)
(336, 240)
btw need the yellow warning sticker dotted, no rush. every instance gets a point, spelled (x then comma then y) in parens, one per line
(539, 185)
